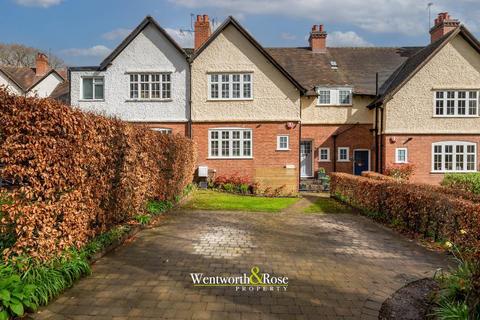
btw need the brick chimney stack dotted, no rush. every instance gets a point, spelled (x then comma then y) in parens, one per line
(202, 30)
(443, 25)
(41, 65)
(318, 39)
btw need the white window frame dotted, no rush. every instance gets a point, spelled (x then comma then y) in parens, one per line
(334, 96)
(230, 139)
(161, 82)
(339, 159)
(443, 154)
(163, 130)
(320, 154)
(94, 78)
(456, 102)
(397, 154)
(230, 83)
(279, 147)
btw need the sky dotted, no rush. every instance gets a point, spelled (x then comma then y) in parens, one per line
(83, 32)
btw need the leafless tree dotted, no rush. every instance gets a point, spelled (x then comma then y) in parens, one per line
(23, 56)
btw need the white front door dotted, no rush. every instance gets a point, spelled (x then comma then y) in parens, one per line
(306, 159)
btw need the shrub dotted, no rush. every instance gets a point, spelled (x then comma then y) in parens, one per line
(76, 174)
(469, 182)
(400, 171)
(233, 183)
(416, 208)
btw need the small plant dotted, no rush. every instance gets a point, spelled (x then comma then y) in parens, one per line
(157, 207)
(229, 187)
(400, 171)
(143, 218)
(15, 294)
(244, 188)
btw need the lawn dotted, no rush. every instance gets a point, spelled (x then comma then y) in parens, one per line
(327, 205)
(212, 200)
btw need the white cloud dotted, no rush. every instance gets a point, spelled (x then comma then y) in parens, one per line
(95, 51)
(119, 33)
(287, 36)
(377, 16)
(183, 38)
(38, 3)
(346, 39)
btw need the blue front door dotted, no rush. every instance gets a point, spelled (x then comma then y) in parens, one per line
(361, 161)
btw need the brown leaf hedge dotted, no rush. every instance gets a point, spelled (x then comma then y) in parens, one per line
(417, 208)
(77, 174)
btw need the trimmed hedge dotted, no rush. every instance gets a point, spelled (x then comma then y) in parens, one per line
(77, 174)
(469, 182)
(421, 209)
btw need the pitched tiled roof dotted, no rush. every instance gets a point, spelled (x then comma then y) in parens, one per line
(25, 77)
(61, 92)
(411, 66)
(356, 66)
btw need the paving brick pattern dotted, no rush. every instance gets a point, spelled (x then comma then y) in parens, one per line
(339, 267)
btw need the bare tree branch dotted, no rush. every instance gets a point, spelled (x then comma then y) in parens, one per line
(22, 56)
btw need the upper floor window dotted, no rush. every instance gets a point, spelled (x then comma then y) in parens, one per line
(230, 143)
(453, 103)
(283, 142)
(92, 88)
(148, 86)
(334, 96)
(454, 156)
(401, 155)
(230, 86)
(324, 154)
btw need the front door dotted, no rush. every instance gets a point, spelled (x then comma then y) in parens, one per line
(306, 159)
(361, 161)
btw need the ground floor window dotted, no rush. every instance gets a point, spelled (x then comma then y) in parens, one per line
(324, 154)
(401, 155)
(230, 143)
(163, 130)
(283, 142)
(343, 154)
(454, 156)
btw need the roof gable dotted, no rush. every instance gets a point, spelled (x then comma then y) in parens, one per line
(416, 62)
(231, 21)
(146, 22)
(25, 77)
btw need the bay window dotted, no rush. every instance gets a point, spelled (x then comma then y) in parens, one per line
(454, 156)
(230, 86)
(451, 103)
(230, 143)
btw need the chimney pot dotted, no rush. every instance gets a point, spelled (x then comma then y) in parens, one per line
(202, 30)
(320, 27)
(41, 65)
(318, 39)
(443, 25)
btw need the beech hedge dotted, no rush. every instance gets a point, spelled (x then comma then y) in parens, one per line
(415, 208)
(76, 174)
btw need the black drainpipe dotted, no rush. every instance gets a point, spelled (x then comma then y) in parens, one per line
(334, 152)
(381, 139)
(376, 126)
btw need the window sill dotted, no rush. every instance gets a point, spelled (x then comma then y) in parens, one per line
(228, 100)
(334, 105)
(444, 172)
(325, 160)
(283, 150)
(91, 100)
(148, 100)
(343, 160)
(405, 162)
(455, 116)
(229, 158)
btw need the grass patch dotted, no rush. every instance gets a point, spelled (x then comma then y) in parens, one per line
(327, 205)
(212, 200)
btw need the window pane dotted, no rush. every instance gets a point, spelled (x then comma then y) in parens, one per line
(450, 102)
(87, 88)
(462, 102)
(225, 90)
(344, 96)
(247, 145)
(225, 148)
(99, 91)
(214, 148)
(214, 90)
(324, 97)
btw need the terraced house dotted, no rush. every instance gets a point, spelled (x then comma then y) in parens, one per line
(279, 115)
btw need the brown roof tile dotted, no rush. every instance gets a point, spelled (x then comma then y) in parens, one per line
(356, 66)
(25, 77)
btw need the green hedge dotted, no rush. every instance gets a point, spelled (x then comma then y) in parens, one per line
(469, 182)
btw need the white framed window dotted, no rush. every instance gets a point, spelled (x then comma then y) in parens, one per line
(323, 154)
(334, 96)
(92, 88)
(283, 142)
(230, 86)
(163, 130)
(230, 143)
(401, 155)
(343, 154)
(454, 156)
(150, 86)
(456, 103)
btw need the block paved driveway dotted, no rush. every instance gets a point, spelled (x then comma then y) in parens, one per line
(339, 267)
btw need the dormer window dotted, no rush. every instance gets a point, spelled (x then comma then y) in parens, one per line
(334, 96)
(333, 65)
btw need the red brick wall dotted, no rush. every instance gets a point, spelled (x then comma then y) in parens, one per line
(420, 152)
(176, 127)
(265, 154)
(356, 137)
